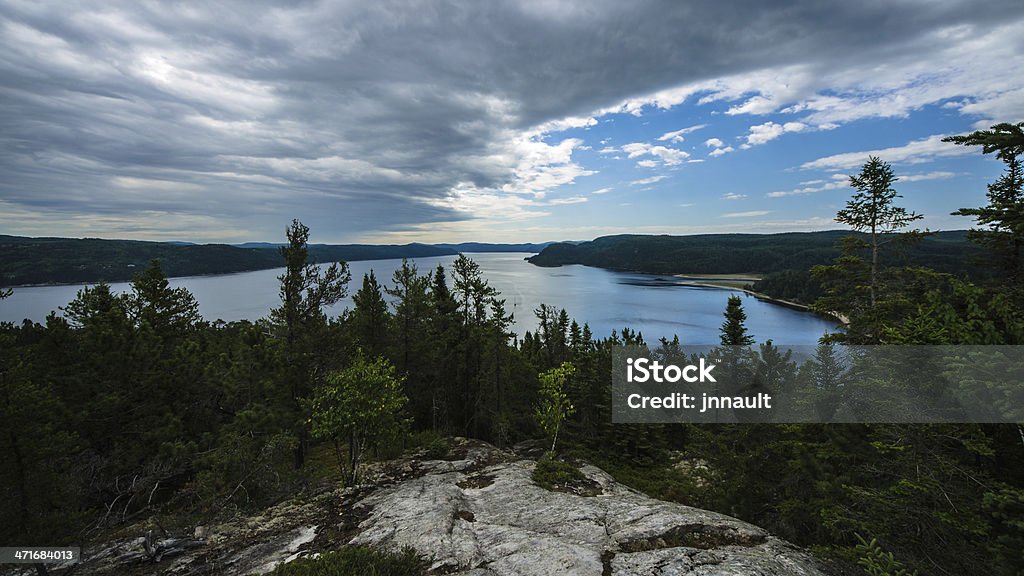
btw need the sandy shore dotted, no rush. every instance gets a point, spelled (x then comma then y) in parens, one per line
(758, 295)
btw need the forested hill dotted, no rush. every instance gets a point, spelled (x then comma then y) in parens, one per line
(750, 253)
(68, 260)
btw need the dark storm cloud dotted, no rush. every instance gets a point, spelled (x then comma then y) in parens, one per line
(360, 116)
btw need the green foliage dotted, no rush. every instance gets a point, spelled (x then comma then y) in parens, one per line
(362, 405)
(877, 562)
(1002, 220)
(75, 261)
(302, 324)
(356, 561)
(434, 446)
(1005, 139)
(133, 405)
(734, 329)
(554, 406)
(871, 209)
(754, 253)
(369, 322)
(551, 473)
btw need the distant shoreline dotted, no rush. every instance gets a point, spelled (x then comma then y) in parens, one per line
(764, 297)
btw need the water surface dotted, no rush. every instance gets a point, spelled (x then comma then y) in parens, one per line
(655, 305)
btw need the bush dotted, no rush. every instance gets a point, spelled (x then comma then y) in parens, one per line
(435, 446)
(551, 473)
(356, 561)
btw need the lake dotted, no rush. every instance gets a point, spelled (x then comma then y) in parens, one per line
(654, 305)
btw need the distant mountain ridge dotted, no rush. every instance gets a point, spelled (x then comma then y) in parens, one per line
(25, 260)
(946, 251)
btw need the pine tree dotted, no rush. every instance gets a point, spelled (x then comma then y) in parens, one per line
(369, 319)
(305, 291)
(872, 210)
(734, 329)
(1003, 219)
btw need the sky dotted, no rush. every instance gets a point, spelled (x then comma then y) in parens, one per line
(408, 121)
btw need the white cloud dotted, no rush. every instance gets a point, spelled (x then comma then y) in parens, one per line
(916, 152)
(748, 214)
(838, 181)
(733, 196)
(677, 136)
(944, 63)
(650, 180)
(769, 131)
(935, 175)
(572, 200)
(669, 156)
(602, 191)
(714, 142)
(721, 151)
(647, 163)
(636, 149)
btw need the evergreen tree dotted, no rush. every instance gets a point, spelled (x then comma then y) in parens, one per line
(412, 342)
(734, 329)
(1003, 218)
(305, 291)
(1005, 139)
(872, 210)
(369, 320)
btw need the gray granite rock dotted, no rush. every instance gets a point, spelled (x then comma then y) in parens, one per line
(476, 519)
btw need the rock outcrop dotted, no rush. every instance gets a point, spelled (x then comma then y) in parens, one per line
(480, 514)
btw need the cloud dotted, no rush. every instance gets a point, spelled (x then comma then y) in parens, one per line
(714, 142)
(769, 131)
(837, 182)
(916, 152)
(650, 180)
(733, 196)
(935, 175)
(602, 191)
(677, 136)
(572, 200)
(720, 151)
(356, 118)
(668, 156)
(748, 214)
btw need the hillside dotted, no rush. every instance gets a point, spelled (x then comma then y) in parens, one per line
(748, 253)
(69, 260)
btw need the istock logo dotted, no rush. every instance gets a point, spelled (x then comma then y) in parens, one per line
(655, 372)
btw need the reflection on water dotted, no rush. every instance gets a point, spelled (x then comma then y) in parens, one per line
(656, 306)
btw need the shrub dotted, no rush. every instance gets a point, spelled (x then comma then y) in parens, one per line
(551, 473)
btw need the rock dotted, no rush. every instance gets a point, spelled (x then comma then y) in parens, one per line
(477, 513)
(485, 516)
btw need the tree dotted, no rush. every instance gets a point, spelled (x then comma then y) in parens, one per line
(305, 291)
(155, 304)
(369, 319)
(872, 210)
(1006, 140)
(734, 329)
(554, 406)
(412, 342)
(1003, 219)
(363, 404)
